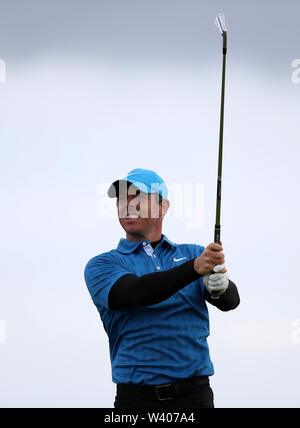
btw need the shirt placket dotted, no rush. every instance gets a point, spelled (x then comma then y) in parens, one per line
(150, 252)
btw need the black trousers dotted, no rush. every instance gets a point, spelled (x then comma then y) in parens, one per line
(203, 398)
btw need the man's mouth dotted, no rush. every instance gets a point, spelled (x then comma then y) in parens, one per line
(131, 216)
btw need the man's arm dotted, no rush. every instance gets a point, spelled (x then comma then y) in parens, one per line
(152, 288)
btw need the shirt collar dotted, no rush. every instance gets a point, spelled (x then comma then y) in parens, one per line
(127, 247)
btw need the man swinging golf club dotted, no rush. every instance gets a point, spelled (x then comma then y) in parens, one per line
(151, 295)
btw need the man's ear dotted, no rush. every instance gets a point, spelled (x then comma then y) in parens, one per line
(165, 204)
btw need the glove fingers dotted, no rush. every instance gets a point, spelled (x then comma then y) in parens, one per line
(219, 268)
(217, 284)
(216, 276)
(216, 287)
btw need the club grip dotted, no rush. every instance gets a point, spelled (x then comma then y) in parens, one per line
(215, 294)
(217, 239)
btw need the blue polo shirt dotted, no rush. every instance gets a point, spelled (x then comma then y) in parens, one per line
(158, 344)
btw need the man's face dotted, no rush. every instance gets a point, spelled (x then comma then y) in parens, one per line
(138, 212)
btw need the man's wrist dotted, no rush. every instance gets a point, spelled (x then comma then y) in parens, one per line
(196, 268)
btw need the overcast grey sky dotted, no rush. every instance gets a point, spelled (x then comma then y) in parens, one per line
(97, 88)
(135, 29)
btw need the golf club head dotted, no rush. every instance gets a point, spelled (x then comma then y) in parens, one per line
(221, 23)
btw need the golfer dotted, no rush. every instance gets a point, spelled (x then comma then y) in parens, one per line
(151, 295)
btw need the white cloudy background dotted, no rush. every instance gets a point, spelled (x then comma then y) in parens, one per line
(97, 88)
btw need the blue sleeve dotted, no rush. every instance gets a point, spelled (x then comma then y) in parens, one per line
(100, 274)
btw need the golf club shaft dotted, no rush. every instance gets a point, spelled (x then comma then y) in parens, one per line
(220, 158)
(217, 237)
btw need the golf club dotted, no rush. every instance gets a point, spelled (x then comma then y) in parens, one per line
(221, 24)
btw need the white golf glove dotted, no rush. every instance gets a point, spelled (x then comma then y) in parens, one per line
(216, 281)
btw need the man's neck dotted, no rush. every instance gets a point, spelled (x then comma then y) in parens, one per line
(155, 243)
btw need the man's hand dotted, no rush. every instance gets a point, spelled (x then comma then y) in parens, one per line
(212, 256)
(217, 282)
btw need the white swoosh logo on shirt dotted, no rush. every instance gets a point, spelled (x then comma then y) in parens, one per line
(178, 260)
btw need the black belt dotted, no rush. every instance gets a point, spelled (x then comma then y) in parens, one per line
(127, 391)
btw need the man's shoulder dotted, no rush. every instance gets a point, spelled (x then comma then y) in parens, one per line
(108, 256)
